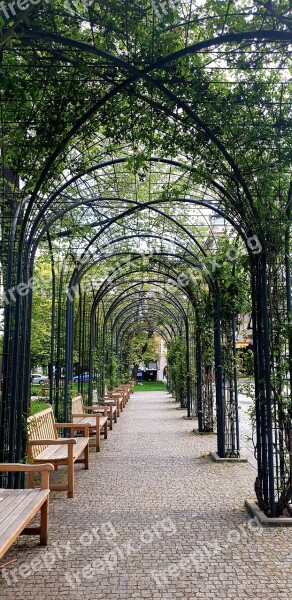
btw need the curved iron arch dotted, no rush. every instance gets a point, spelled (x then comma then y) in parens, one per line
(269, 35)
(113, 162)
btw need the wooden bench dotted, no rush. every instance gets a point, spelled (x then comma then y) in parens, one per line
(96, 422)
(45, 446)
(111, 405)
(45, 391)
(126, 389)
(119, 398)
(120, 390)
(19, 507)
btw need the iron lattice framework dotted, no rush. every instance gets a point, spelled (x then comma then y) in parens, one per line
(120, 153)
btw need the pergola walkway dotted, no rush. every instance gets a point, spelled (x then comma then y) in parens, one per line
(172, 523)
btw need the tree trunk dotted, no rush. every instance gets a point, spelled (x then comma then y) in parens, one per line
(135, 371)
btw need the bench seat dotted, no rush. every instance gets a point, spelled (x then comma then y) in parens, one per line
(113, 411)
(59, 454)
(88, 420)
(19, 507)
(94, 421)
(44, 445)
(118, 397)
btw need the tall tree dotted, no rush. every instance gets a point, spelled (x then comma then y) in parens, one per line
(143, 347)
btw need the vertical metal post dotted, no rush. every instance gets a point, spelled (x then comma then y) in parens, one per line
(68, 353)
(219, 379)
(199, 378)
(188, 367)
(266, 345)
(104, 349)
(235, 383)
(91, 349)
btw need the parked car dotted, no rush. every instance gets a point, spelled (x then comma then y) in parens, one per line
(38, 378)
(84, 377)
(81, 377)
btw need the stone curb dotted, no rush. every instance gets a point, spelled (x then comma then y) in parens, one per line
(217, 458)
(264, 520)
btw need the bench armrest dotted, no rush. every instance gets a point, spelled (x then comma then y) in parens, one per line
(6, 468)
(109, 402)
(82, 427)
(84, 415)
(53, 442)
(105, 410)
(43, 469)
(72, 425)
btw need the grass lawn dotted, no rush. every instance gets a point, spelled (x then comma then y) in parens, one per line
(150, 386)
(36, 389)
(36, 407)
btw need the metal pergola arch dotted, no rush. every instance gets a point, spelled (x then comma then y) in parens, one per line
(262, 336)
(233, 37)
(221, 412)
(32, 258)
(168, 298)
(131, 321)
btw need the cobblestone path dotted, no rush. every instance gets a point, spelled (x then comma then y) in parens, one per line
(153, 518)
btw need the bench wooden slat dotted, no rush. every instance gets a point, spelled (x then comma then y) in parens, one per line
(112, 416)
(125, 390)
(21, 513)
(57, 453)
(42, 428)
(102, 420)
(53, 453)
(88, 420)
(7, 496)
(19, 507)
(9, 504)
(94, 420)
(119, 396)
(114, 408)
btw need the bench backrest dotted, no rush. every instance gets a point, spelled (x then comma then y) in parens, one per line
(77, 408)
(121, 390)
(115, 394)
(41, 426)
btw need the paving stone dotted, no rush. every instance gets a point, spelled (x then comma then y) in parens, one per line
(177, 526)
